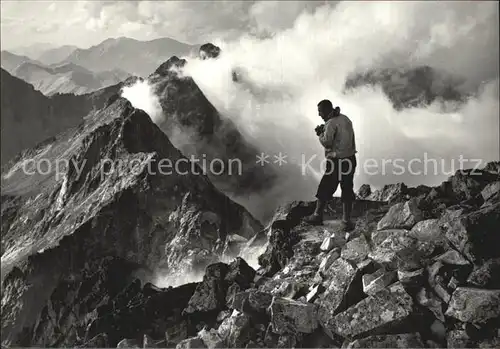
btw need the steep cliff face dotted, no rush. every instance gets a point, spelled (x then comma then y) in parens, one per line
(206, 133)
(111, 202)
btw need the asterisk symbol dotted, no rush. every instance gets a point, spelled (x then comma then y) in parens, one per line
(280, 159)
(262, 159)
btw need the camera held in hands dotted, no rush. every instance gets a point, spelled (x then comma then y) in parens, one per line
(319, 129)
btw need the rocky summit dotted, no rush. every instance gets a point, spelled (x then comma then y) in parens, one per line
(90, 219)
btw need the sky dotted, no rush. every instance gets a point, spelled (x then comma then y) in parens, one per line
(87, 23)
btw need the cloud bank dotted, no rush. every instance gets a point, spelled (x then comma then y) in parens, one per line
(285, 75)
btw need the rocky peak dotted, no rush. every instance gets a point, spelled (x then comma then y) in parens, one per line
(173, 62)
(112, 202)
(206, 134)
(208, 51)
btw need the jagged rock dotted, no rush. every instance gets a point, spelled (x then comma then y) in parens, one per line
(436, 282)
(280, 248)
(429, 300)
(233, 245)
(452, 257)
(327, 244)
(380, 236)
(389, 193)
(491, 191)
(486, 275)
(341, 276)
(252, 301)
(211, 338)
(194, 342)
(375, 314)
(474, 305)
(314, 293)
(441, 278)
(427, 230)
(223, 315)
(167, 68)
(327, 261)
(493, 167)
(209, 50)
(356, 250)
(411, 278)
(364, 191)
(401, 216)
(240, 272)
(288, 316)
(402, 252)
(373, 283)
(406, 340)
(467, 184)
(235, 330)
(210, 294)
(220, 283)
(128, 343)
(459, 339)
(475, 234)
(137, 311)
(197, 129)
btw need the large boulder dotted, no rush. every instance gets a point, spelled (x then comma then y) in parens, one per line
(280, 248)
(252, 302)
(375, 282)
(474, 234)
(491, 192)
(211, 295)
(474, 305)
(468, 184)
(428, 230)
(403, 252)
(235, 330)
(340, 278)
(356, 250)
(403, 215)
(289, 316)
(387, 310)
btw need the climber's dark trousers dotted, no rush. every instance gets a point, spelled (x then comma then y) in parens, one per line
(338, 171)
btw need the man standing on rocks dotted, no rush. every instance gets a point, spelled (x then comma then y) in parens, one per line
(337, 137)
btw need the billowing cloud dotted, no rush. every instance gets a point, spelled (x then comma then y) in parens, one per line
(287, 74)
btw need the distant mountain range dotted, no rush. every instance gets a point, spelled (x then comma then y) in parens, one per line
(139, 58)
(69, 69)
(56, 55)
(11, 61)
(67, 78)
